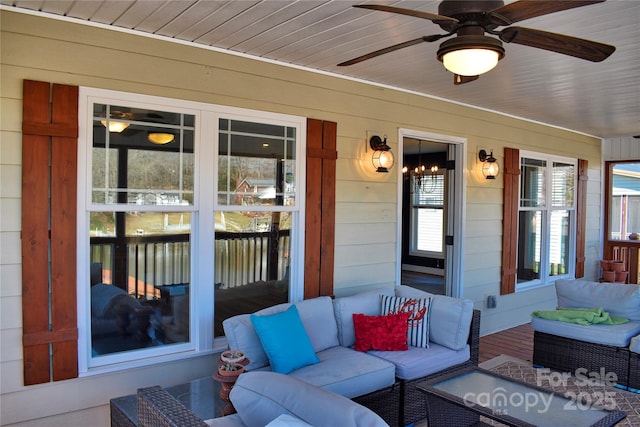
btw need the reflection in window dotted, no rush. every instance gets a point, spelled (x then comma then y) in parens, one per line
(140, 256)
(624, 215)
(139, 280)
(256, 165)
(252, 259)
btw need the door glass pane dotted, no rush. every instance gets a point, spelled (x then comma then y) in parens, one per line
(559, 244)
(256, 165)
(140, 279)
(624, 215)
(529, 245)
(252, 258)
(532, 183)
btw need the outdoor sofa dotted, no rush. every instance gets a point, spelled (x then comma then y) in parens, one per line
(567, 347)
(384, 381)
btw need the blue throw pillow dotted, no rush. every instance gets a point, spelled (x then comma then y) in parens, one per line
(285, 341)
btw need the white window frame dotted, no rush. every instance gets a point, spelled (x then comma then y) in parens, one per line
(545, 278)
(202, 222)
(413, 222)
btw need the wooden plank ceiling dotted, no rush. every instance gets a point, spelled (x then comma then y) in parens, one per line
(601, 99)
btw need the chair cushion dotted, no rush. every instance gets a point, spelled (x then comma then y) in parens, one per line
(386, 332)
(618, 299)
(286, 420)
(615, 335)
(418, 310)
(260, 397)
(635, 344)
(284, 340)
(418, 362)
(367, 303)
(450, 318)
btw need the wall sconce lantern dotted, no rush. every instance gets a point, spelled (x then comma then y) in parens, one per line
(382, 157)
(490, 169)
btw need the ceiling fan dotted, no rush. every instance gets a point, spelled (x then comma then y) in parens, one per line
(471, 52)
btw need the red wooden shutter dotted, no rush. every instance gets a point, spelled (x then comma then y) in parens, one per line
(581, 216)
(320, 208)
(511, 177)
(49, 153)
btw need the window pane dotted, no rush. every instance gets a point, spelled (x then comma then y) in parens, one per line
(429, 230)
(139, 281)
(624, 216)
(529, 245)
(532, 183)
(252, 258)
(559, 242)
(256, 164)
(142, 157)
(562, 184)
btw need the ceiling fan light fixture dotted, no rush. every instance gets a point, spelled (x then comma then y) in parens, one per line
(114, 126)
(160, 138)
(470, 55)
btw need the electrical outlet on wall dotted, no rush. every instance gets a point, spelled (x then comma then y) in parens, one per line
(492, 301)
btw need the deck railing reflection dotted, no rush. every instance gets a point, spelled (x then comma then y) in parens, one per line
(151, 261)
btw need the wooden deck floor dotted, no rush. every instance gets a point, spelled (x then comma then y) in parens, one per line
(515, 342)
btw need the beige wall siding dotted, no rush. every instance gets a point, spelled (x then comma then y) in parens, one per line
(624, 148)
(366, 223)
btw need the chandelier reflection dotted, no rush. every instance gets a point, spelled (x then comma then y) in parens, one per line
(423, 178)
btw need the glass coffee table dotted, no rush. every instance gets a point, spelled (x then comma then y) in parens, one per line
(459, 399)
(201, 396)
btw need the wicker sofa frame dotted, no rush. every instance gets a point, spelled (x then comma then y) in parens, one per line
(157, 408)
(402, 403)
(567, 355)
(634, 370)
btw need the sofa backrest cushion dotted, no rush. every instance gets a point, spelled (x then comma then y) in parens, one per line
(260, 397)
(450, 318)
(617, 299)
(367, 303)
(316, 315)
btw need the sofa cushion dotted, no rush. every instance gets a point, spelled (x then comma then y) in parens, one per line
(348, 372)
(286, 420)
(618, 299)
(418, 362)
(615, 335)
(386, 332)
(316, 315)
(284, 340)
(450, 318)
(260, 397)
(418, 310)
(367, 303)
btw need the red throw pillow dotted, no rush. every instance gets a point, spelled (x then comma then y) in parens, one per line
(387, 332)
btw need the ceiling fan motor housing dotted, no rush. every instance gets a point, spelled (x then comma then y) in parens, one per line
(471, 11)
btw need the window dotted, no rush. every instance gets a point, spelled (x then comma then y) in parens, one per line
(546, 218)
(624, 200)
(190, 214)
(427, 215)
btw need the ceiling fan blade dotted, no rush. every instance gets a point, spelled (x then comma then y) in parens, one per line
(383, 51)
(560, 43)
(408, 12)
(459, 80)
(526, 9)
